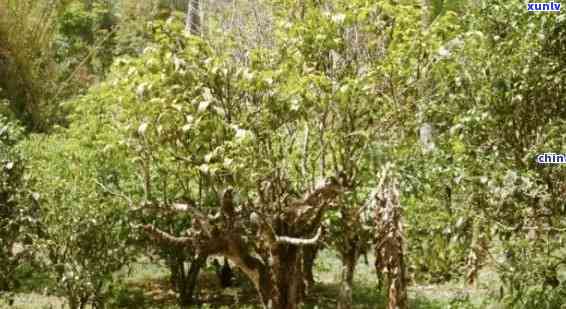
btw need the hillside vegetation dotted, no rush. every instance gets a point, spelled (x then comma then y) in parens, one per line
(281, 154)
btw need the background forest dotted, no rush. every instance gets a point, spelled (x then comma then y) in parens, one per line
(281, 154)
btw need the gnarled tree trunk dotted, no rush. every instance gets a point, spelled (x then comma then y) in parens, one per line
(273, 263)
(290, 276)
(287, 274)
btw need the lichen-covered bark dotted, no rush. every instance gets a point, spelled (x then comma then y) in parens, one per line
(390, 244)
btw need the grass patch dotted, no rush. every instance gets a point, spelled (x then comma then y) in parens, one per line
(146, 285)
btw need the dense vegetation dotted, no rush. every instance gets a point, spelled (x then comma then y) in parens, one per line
(254, 139)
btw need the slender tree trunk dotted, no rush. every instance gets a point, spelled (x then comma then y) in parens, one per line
(77, 302)
(88, 5)
(426, 129)
(190, 284)
(193, 23)
(184, 281)
(73, 303)
(349, 260)
(309, 256)
(83, 302)
(426, 8)
(4, 284)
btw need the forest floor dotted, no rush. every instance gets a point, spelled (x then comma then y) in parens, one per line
(147, 286)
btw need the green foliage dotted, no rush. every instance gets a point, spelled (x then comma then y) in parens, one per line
(498, 104)
(530, 296)
(123, 296)
(27, 74)
(85, 41)
(140, 121)
(17, 215)
(86, 232)
(48, 52)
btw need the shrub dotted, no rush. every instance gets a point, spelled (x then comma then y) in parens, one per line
(17, 215)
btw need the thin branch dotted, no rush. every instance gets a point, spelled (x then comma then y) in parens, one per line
(190, 161)
(326, 189)
(305, 152)
(162, 236)
(199, 216)
(183, 207)
(525, 228)
(83, 62)
(109, 191)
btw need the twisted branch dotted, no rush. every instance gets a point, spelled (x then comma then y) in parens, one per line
(165, 237)
(299, 241)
